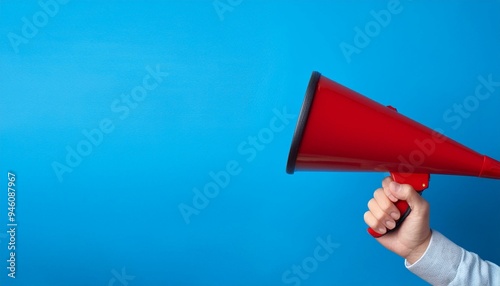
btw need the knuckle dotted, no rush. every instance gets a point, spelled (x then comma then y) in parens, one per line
(371, 204)
(384, 202)
(373, 223)
(366, 216)
(386, 181)
(380, 215)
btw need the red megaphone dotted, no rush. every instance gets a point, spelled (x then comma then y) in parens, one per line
(341, 130)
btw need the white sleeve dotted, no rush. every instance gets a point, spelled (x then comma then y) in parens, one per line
(445, 263)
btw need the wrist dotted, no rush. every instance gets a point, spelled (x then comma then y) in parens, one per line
(417, 252)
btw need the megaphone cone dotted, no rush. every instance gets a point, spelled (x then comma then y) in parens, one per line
(341, 130)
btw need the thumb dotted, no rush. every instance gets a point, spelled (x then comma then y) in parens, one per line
(408, 194)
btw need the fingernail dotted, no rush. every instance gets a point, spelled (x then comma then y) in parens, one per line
(395, 215)
(390, 224)
(381, 230)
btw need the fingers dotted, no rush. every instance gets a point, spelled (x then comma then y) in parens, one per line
(373, 223)
(382, 212)
(385, 204)
(385, 185)
(407, 193)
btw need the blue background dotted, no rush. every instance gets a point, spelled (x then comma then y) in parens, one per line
(228, 70)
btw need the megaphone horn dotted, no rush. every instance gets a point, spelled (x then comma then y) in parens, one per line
(341, 130)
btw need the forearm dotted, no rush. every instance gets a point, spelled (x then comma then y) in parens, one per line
(445, 263)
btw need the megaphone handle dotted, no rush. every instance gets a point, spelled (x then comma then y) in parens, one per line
(419, 182)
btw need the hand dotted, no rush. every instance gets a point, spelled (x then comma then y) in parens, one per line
(411, 239)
